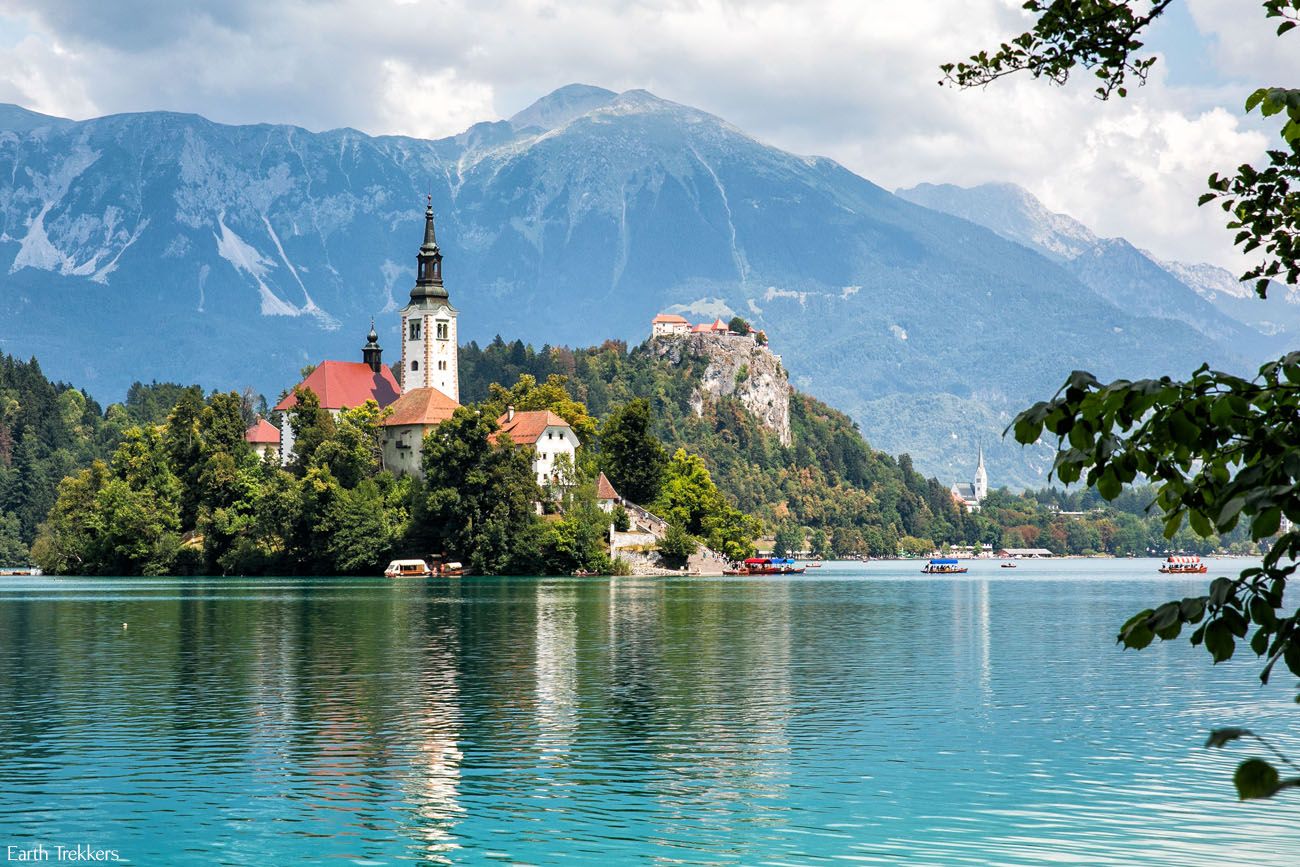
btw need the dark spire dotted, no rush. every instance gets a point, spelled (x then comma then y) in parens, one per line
(428, 269)
(371, 354)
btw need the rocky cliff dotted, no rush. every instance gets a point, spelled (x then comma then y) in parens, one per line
(736, 367)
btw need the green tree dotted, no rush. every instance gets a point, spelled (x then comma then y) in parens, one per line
(677, 545)
(738, 325)
(1219, 448)
(353, 450)
(478, 496)
(12, 550)
(312, 427)
(788, 541)
(820, 544)
(690, 499)
(631, 455)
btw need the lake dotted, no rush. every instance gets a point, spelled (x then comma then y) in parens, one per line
(861, 713)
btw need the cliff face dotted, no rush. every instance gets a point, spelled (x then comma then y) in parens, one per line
(736, 367)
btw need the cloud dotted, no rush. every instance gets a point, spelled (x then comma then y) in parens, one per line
(851, 79)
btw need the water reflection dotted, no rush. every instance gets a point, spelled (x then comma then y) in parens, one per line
(884, 719)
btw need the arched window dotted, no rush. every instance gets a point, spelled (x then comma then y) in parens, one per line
(415, 365)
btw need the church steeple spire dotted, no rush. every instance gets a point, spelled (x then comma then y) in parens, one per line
(981, 477)
(428, 272)
(371, 354)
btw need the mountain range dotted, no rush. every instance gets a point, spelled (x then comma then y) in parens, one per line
(165, 246)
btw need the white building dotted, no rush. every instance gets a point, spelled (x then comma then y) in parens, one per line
(971, 495)
(429, 324)
(667, 324)
(549, 436)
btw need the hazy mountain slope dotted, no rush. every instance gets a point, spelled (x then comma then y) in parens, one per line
(164, 245)
(1208, 298)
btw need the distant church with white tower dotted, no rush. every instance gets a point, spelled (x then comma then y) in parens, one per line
(971, 495)
(426, 389)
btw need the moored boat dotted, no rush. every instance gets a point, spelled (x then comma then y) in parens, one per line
(943, 566)
(1183, 565)
(1008, 565)
(408, 569)
(21, 572)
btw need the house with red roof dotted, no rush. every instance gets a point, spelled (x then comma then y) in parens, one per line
(410, 419)
(606, 497)
(340, 385)
(264, 437)
(668, 324)
(549, 435)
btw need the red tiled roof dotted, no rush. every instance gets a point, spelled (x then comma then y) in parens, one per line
(263, 432)
(719, 325)
(339, 384)
(421, 406)
(605, 490)
(701, 329)
(670, 317)
(526, 427)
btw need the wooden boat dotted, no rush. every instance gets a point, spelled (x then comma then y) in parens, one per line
(943, 566)
(584, 573)
(1008, 565)
(21, 572)
(766, 566)
(1180, 565)
(408, 569)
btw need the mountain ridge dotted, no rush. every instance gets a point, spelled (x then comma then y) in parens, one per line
(236, 254)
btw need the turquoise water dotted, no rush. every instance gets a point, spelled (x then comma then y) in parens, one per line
(861, 713)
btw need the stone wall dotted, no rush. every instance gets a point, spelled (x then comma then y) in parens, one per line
(737, 367)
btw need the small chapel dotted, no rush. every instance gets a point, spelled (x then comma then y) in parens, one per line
(426, 389)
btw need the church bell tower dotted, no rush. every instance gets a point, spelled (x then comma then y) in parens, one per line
(429, 356)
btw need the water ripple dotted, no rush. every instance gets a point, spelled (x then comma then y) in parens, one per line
(865, 715)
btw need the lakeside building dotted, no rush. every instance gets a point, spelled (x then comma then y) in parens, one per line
(549, 435)
(969, 496)
(1025, 553)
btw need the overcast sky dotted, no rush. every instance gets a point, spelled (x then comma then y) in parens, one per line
(851, 79)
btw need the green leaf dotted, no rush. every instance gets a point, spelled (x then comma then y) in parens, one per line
(1135, 633)
(1266, 523)
(1109, 486)
(1219, 641)
(1255, 778)
(1230, 510)
(1219, 737)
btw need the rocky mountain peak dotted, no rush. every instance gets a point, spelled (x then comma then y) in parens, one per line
(561, 106)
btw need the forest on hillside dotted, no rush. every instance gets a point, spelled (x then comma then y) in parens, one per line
(164, 482)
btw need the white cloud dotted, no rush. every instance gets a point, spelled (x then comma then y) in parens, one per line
(851, 79)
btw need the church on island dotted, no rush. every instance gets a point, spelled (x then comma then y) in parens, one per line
(969, 496)
(424, 392)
